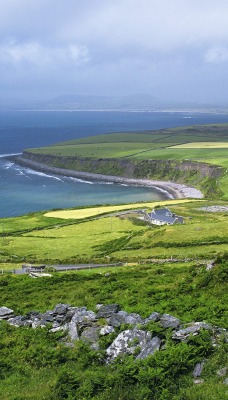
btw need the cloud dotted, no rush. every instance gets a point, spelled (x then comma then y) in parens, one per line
(39, 55)
(160, 46)
(217, 55)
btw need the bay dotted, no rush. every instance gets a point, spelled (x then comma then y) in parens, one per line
(23, 190)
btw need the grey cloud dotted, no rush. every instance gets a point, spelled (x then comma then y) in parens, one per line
(169, 48)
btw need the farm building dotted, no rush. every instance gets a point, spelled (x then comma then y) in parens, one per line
(163, 216)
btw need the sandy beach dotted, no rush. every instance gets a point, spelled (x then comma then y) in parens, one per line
(174, 190)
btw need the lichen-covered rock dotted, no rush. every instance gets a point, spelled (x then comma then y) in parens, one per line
(150, 348)
(127, 341)
(73, 330)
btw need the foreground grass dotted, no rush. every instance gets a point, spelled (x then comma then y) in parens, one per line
(36, 365)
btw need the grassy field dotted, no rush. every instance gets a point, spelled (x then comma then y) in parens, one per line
(58, 237)
(192, 143)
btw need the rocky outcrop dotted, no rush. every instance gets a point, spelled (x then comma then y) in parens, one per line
(130, 332)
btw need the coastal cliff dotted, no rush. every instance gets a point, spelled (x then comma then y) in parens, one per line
(201, 175)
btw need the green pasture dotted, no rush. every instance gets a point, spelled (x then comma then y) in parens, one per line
(103, 150)
(117, 238)
(193, 154)
(27, 222)
(157, 145)
(118, 137)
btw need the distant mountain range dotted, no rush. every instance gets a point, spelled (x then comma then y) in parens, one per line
(83, 102)
(137, 102)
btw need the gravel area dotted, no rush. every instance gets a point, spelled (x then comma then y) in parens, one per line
(214, 208)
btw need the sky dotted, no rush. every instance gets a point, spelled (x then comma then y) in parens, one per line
(174, 50)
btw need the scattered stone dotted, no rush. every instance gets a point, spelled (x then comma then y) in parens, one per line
(222, 372)
(210, 265)
(198, 369)
(225, 381)
(80, 323)
(168, 321)
(198, 381)
(5, 312)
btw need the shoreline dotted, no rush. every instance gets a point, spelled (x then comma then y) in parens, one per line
(174, 190)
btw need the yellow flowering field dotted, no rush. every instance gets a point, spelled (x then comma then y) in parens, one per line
(95, 211)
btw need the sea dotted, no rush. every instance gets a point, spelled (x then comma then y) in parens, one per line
(23, 190)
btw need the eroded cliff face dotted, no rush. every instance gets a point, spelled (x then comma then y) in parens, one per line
(197, 174)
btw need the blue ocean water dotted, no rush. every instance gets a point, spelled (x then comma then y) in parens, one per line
(23, 190)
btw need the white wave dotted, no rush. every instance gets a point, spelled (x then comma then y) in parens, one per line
(33, 172)
(168, 194)
(78, 180)
(8, 165)
(186, 117)
(9, 155)
(105, 183)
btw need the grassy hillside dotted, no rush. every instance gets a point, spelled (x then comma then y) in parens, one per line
(163, 144)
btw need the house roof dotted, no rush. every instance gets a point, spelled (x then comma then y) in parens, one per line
(163, 218)
(165, 215)
(162, 212)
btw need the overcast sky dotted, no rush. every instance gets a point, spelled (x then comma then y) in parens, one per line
(171, 49)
